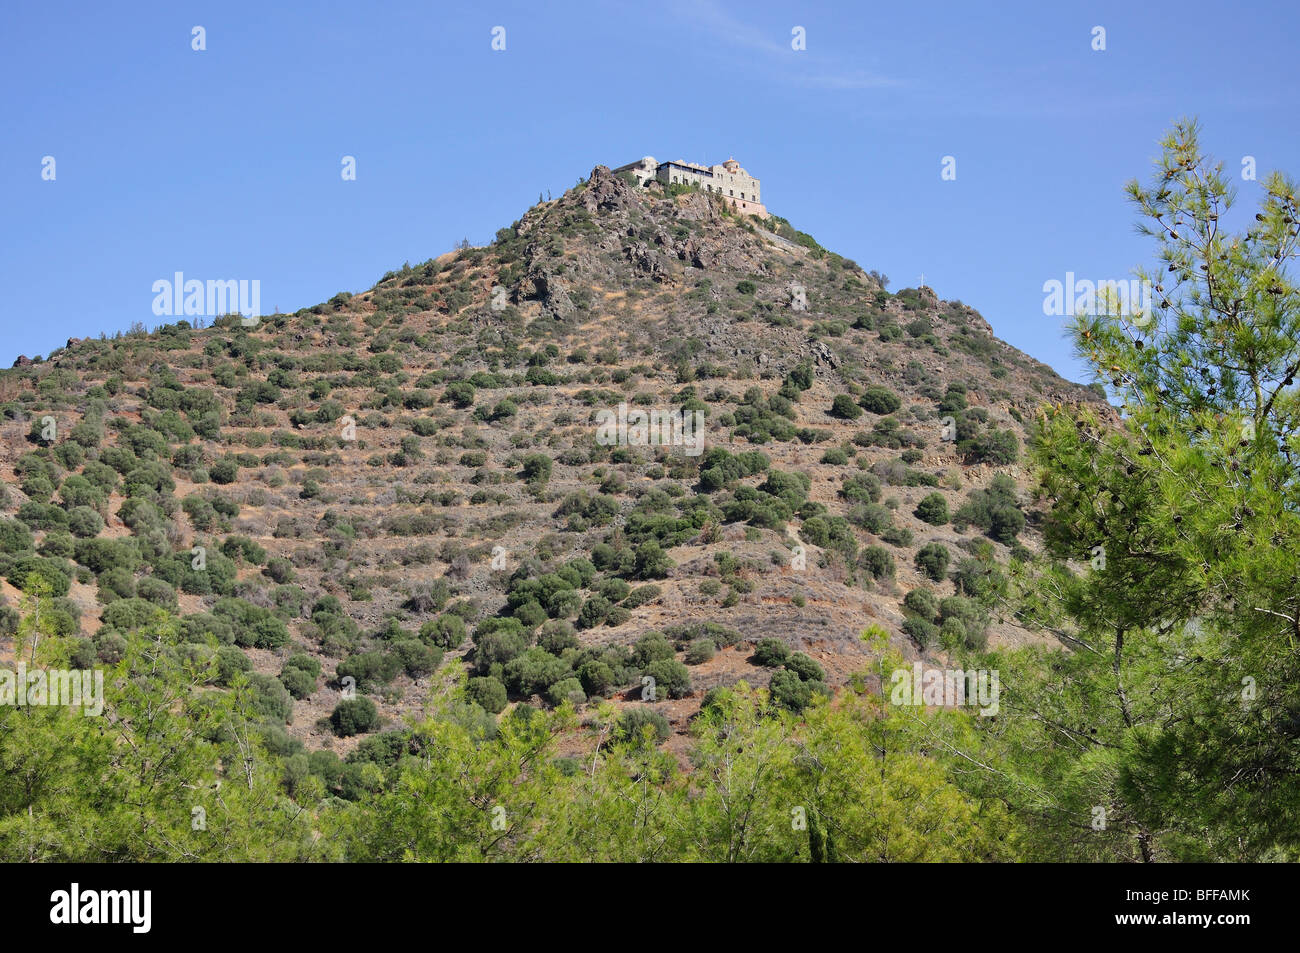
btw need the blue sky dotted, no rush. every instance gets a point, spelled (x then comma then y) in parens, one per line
(225, 163)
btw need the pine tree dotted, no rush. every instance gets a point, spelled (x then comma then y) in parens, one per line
(1173, 541)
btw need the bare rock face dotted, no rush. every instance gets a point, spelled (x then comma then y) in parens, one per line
(23, 361)
(605, 191)
(698, 208)
(648, 261)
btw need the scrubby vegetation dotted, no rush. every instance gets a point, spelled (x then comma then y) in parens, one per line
(371, 559)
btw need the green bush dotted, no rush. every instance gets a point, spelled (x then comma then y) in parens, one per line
(880, 400)
(924, 603)
(770, 652)
(670, 676)
(157, 591)
(699, 651)
(84, 522)
(417, 658)
(270, 698)
(566, 688)
(15, 537)
(230, 662)
(369, 669)
(299, 683)
(447, 631)
(488, 692)
(805, 667)
(642, 595)
(932, 509)
(224, 471)
(354, 716)
(597, 677)
(994, 510)
(790, 691)
(639, 725)
(923, 632)
(651, 647)
(844, 407)
(932, 559)
(534, 671)
(594, 612)
(877, 562)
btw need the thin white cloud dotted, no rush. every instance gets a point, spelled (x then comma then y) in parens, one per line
(708, 16)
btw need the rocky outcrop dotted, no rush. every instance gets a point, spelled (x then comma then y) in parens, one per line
(605, 192)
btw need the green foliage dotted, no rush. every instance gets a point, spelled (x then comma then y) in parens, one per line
(770, 652)
(671, 677)
(487, 692)
(354, 716)
(880, 400)
(844, 407)
(932, 509)
(994, 510)
(932, 559)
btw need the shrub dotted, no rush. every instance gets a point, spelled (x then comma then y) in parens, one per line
(417, 658)
(670, 676)
(270, 698)
(877, 562)
(923, 602)
(994, 510)
(488, 692)
(566, 688)
(594, 612)
(863, 488)
(15, 537)
(805, 667)
(932, 509)
(557, 636)
(932, 559)
(844, 407)
(224, 471)
(299, 683)
(354, 716)
(597, 677)
(497, 647)
(534, 671)
(872, 517)
(638, 725)
(447, 631)
(790, 691)
(156, 591)
(614, 589)
(651, 561)
(923, 632)
(460, 393)
(642, 595)
(770, 652)
(699, 651)
(49, 572)
(369, 669)
(305, 662)
(84, 522)
(651, 647)
(880, 400)
(537, 468)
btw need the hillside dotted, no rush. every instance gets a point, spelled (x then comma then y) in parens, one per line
(407, 479)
